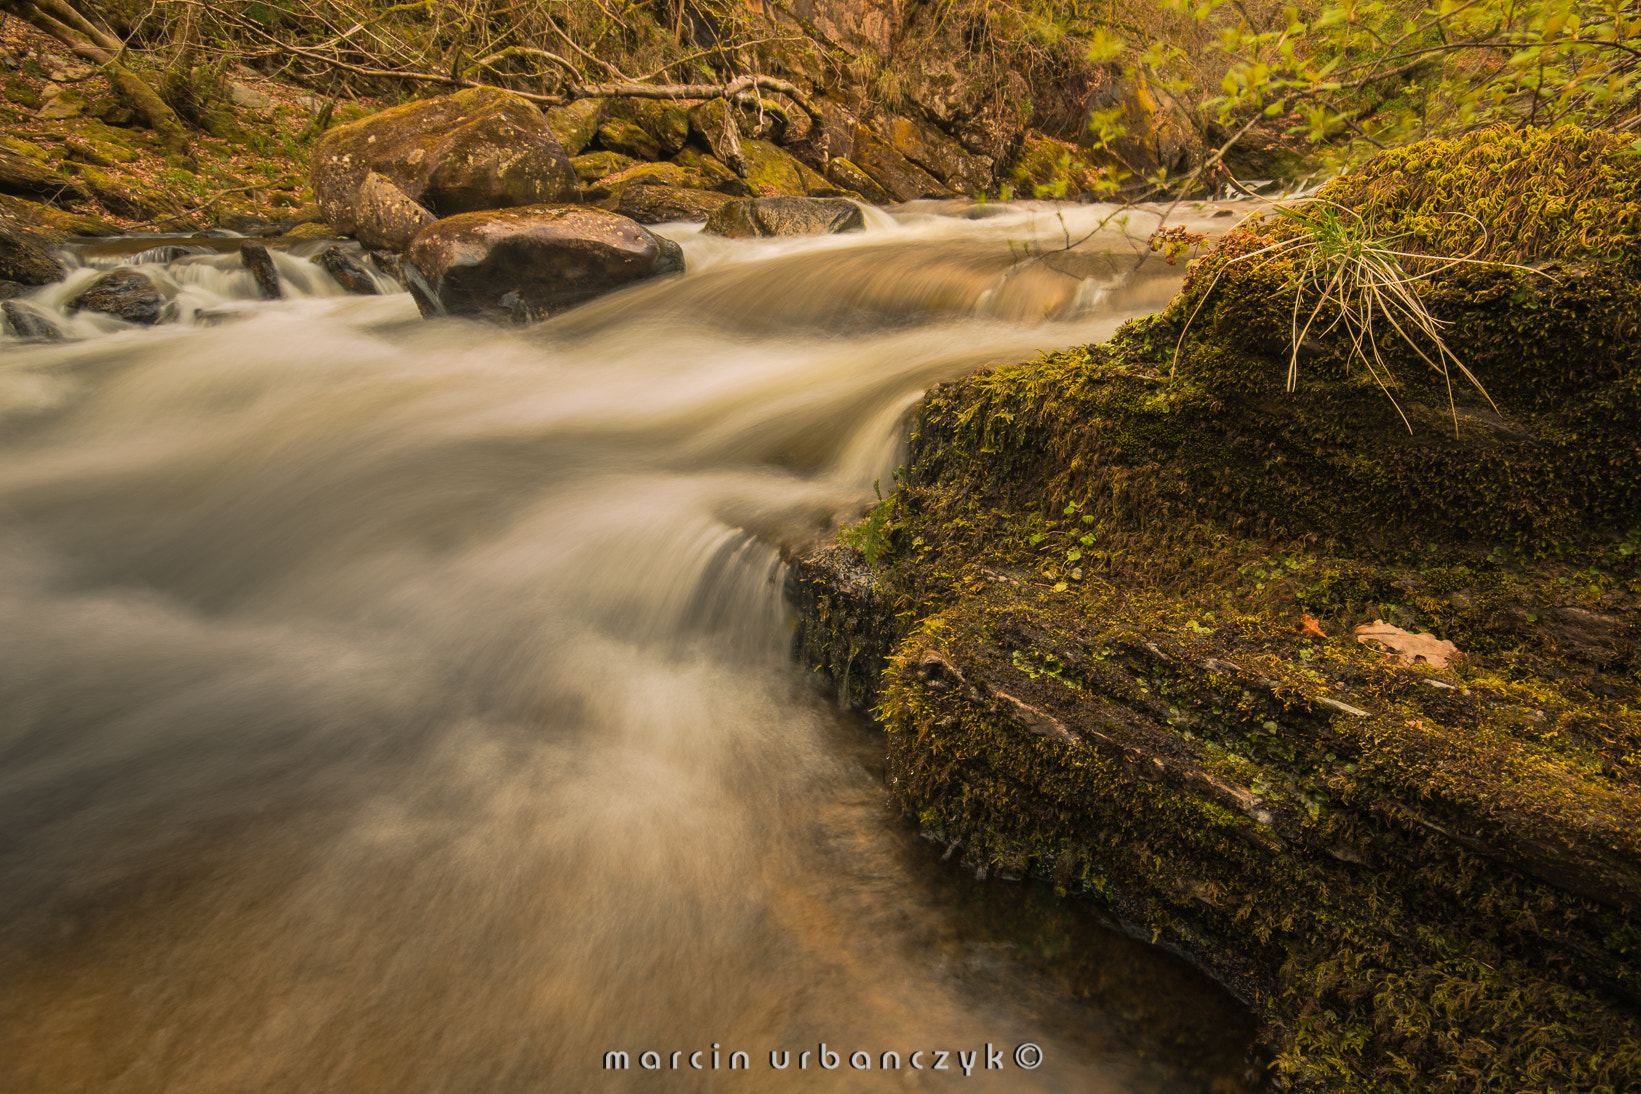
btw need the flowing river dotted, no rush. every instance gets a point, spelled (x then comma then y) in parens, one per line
(403, 705)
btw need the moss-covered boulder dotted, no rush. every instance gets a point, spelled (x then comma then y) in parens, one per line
(1111, 629)
(714, 173)
(592, 166)
(477, 149)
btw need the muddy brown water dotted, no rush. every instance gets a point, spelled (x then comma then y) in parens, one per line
(394, 705)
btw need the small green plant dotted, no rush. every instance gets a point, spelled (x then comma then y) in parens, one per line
(870, 536)
(1360, 282)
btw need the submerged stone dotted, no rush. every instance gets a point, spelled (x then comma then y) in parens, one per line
(125, 294)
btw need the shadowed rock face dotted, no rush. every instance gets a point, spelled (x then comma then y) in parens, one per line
(478, 149)
(529, 263)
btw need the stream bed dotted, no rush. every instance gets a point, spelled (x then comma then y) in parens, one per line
(404, 705)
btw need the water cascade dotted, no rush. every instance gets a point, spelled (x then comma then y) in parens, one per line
(404, 705)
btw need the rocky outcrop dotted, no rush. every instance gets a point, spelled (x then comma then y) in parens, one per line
(477, 149)
(529, 263)
(896, 175)
(128, 295)
(747, 218)
(1112, 637)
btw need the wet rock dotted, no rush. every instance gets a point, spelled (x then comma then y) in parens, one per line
(532, 262)
(576, 124)
(663, 204)
(478, 149)
(846, 175)
(25, 254)
(386, 215)
(25, 321)
(345, 271)
(898, 176)
(593, 166)
(256, 258)
(785, 216)
(125, 294)
(713, 122)
(389, 264)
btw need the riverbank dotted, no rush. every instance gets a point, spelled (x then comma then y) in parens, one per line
(1304, 687)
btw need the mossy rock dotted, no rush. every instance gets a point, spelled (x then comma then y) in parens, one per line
(593, 166)
(667, 123)
(1556, 348)
(54, 222)
(576, 124)
(772, 172)
(1085, 633)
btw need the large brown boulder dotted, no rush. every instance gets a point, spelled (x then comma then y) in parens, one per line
(478, 149)
(529, 263)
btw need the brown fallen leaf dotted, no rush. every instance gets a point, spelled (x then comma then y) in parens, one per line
(1409, 648)
(1310, 625)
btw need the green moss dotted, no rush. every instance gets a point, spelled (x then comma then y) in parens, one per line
(1093, 577)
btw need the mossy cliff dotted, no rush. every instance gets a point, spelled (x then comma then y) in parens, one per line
(1100, 601)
